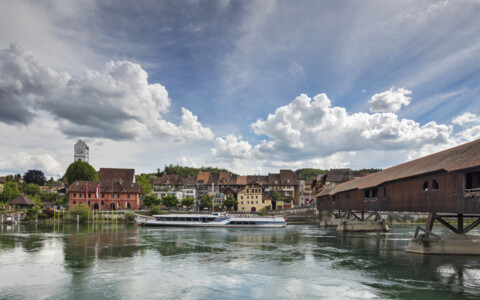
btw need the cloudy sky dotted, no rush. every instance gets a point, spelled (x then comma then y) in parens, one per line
(252, 86)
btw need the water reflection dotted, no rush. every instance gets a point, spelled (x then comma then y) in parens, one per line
(123, 261)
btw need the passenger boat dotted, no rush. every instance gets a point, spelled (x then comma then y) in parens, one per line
(213, 220)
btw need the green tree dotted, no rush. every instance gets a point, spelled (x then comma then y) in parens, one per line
(81, 210)
(80, 170)
(309, 173)
(170, 201)
(35, 176)
(276, 196)
(144, 181)
(230, 202)
(31, 189)
(10, 178)
(188, 201)
(151, 200)
(206, 201)
(288, 198)
(10, 191)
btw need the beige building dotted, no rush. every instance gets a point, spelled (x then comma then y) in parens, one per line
(250, 198)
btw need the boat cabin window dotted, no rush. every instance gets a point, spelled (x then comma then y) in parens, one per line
(472, 181)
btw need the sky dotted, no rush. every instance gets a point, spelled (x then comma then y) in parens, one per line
(251, 86)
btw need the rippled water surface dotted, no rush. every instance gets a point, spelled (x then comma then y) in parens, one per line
(297, 262)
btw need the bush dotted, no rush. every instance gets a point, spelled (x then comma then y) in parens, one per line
(48, 212)
(154, 210)
(130, 215)
(81, 210)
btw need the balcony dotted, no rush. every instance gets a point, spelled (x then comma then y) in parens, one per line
(471, 193)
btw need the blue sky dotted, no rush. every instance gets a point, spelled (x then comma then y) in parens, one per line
(252, 86)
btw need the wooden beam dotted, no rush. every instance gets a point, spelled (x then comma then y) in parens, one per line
(471, 226)
(430, 221)
(460, 223)
(446, 224)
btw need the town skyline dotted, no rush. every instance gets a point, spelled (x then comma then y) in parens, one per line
(249, 86)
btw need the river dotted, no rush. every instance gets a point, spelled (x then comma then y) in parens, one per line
(118, 261)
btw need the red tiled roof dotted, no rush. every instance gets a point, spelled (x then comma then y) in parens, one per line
(274, 179)
(241, 180)
(203, 177)
(458, 158)
(116, 174)
(3, 179)
(106, 186)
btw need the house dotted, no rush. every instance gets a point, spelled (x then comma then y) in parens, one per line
(250, 198)
(116, 191)
(22, 202)
(306, 193)
(337, 176)
(285, 183)
(3, 179)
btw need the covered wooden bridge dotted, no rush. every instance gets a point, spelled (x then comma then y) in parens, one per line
(445, 184)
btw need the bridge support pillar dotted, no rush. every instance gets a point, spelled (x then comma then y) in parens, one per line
(331, 218)
(354, 222)
(458, 243)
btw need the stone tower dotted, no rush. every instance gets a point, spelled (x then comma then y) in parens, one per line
(80, 151)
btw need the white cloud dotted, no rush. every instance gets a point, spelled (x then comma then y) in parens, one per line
(231, 147)
(313, 127)
(22, 160)
(116, 103)
(466, 118)
(390, 101)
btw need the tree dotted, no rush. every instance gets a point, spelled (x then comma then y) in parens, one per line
(10, 191)
(206, 201)
(31, 189)
(10, 178)
(188, 201)
(81, 210)
(230, 202)
(144, 181)
(35, 176)
(276, 196)
(170, 201)
(80, 170)
(288, 199)
(151, 200)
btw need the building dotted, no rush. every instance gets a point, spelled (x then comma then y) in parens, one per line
(338, 176)
(3, 179)
(22, 202)
(116, 190)
(112, 195)
(80, 151)
(250, 198)
(306, 193)
(447, 181)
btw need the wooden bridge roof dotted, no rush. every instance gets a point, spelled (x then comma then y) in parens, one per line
(454, 159)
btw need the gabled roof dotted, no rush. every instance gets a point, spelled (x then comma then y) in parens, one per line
(21, 200)
(187, 180)
(3, 179)
(106, 186)
(462, 157)
(227, 176)
(213, 178)
(203, 177)
(288, 177)
(116, 174)
(257, 179)
(274, 179)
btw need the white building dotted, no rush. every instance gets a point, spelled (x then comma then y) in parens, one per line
(80, 151)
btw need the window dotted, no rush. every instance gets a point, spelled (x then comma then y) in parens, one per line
(128, 196)
(248, 197)
(74, 202)
(74, 195)
(89, 195)
(241, 197)
(434, 185)
(425, 186)
(248, 202)
(89, 203)
(103, 195)
(241, 203)
(256, 197)
(118, 196)
(103, 203)
(374, 193)
(384, 191)
(367, 194)
(472, 180)
(256, 202)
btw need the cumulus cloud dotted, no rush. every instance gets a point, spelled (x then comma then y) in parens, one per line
(231, 147)
(316, 128)
(22, 160)
(116, 102)
(466, 118)
(390, 101)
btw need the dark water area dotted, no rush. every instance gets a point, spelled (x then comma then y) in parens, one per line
(117, 261)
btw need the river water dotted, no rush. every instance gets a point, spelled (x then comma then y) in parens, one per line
(117, 261)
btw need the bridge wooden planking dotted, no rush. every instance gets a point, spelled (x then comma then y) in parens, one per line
(408, 195)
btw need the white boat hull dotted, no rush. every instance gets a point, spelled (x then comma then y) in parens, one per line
(211, 221)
